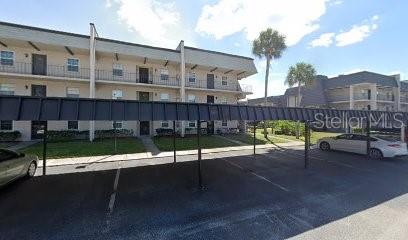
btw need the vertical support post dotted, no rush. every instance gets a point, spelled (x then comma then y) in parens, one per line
(174, 140)
(200, 182)
(307, 144)
(92, 60)
(368, 132)
(45, 150)
(254, 138)
(115, 137)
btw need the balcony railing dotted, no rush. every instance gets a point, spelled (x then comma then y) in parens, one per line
(382, 97)
(136, 78)
(50, 70)
(361, 96)
(121, 76)
(338, 98)
(199, 83)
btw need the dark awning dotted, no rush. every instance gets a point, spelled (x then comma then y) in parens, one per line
(85, 109)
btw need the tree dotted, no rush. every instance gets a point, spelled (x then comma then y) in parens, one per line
(270, 45)
(302, 74)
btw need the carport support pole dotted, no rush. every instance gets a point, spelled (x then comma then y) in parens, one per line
(200, 181)
(254, 138)
(45, 150)
(307, 144)
(174, 140)
(368, 133)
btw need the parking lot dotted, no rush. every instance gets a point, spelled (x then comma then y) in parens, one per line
(269, 196)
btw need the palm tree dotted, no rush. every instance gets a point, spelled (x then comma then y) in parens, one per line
(270, 45)
(302, 74)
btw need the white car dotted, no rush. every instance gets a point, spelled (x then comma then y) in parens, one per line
(380, 146)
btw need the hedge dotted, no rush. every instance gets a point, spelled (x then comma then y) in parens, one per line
(9, 136)
(69, 135)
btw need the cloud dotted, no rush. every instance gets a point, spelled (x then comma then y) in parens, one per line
(325, 40)
(227, 17)
(153, 21)
(356, 34)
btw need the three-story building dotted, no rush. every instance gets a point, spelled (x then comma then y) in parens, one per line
(42, 62)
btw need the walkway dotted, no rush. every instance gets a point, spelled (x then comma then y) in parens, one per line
(233, 151)
(150, 146)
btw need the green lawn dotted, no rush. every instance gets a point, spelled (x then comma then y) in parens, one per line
(84, 148)
(7, 144)
(260, 139)
(190, 142)
(313, 138)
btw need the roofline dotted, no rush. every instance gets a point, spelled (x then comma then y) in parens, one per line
(365, 71)
(136, 44)
(117, 41)
(216, 52)
(43, 29)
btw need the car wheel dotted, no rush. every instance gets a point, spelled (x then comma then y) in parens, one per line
(324, 146)
(31, 169)
(375, 154)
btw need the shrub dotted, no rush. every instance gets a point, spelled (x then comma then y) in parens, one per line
(164, 131)
(66, 135)
(9, 136)
(110, 133)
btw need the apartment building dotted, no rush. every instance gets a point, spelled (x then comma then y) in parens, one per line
(350, 91)
(42, 62)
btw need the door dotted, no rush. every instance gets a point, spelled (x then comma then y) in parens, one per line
(39, 64)
(37, 128)
(144, 96)
(210, 81)
(17, 166)
(144, 128)
(38, 90)
(210, 99)
(358, 144)
(210, 124)
(144, 75)
(341, 142)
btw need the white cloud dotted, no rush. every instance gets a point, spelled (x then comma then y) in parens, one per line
(153, 21)
(325, 40)
(357, 33)
(227, 17)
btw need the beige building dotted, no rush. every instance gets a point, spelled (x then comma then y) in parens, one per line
(42, 62)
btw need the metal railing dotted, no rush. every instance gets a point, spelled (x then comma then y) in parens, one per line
(338, 98)
(121, 76)
(136, 78)
(361, 96)
(384, 97)
(49, 70)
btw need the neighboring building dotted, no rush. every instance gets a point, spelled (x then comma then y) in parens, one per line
(42, 62)
(351, 91)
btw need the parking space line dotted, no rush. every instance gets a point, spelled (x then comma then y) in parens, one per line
(258, 176)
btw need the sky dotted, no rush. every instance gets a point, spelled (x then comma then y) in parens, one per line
(335, 36)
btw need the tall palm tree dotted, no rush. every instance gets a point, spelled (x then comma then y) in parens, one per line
(270, 45)
(302, 74)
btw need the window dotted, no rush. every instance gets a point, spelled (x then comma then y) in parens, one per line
(224, 100)
(7, 58)
(165, 124)
(73, 65)
(6, 89)
(6, 125)
(73, 92)
(117, 125)
(192, 77)
(117, 94)
(7, 155)
(72, 125)
(164, 97)
(164, 74)
(224, 123)
(191, 98)
(117, 70)
(224, 81)
(191, 124)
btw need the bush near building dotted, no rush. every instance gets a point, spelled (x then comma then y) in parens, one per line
(9, 136)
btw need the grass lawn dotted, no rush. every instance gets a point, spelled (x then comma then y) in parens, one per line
(7, 144)
(190, 142)
(313, 138)
(260, 139)
(84, 148)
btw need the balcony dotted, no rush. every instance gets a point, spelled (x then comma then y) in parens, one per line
(50, 70)
(384, 97)
(361, 96)
(338, 98)
(133, 77)
(218, 85)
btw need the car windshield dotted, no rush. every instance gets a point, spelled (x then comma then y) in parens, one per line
(389, 138)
